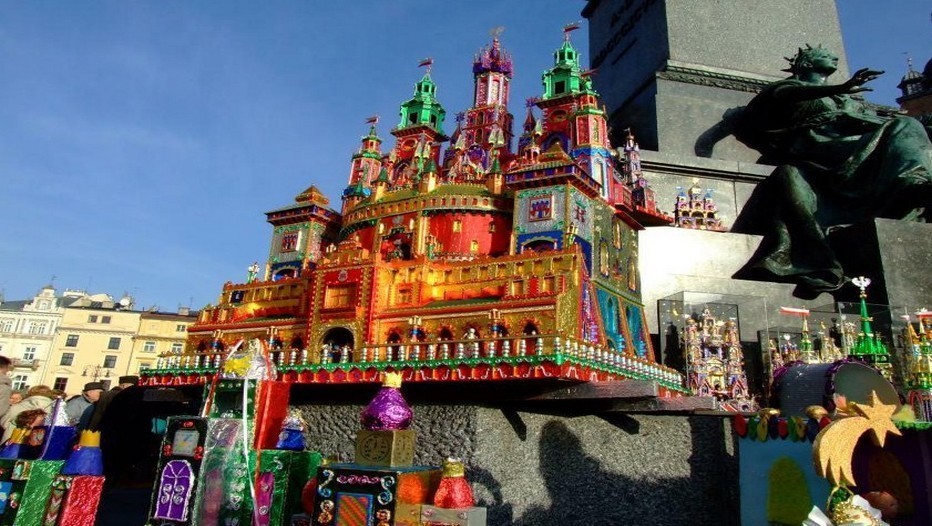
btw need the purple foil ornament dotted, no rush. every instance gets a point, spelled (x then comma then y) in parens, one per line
(388, 411)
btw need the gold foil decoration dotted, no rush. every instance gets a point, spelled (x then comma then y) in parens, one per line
(834, 446)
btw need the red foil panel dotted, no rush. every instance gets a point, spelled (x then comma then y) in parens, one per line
(81, 503)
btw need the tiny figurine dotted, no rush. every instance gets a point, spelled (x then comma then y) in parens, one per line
(292, 435)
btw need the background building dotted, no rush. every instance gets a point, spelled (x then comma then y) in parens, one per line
(94, 342)
(27, 328)
(158, 333)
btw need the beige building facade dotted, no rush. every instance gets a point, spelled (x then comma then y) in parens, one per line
(27, 328)
(159, 333)
(94, 342)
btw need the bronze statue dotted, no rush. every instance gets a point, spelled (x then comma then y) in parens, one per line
(838, 162)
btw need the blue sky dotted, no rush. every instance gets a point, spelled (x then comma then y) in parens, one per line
(141, 142)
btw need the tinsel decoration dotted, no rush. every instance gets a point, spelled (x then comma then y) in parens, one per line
(388, 411)
(454, 491)
(12, 447)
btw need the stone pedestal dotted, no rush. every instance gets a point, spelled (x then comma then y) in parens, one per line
(894, 254)
(542, 469)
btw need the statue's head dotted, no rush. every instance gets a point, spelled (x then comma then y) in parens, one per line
(812, 59)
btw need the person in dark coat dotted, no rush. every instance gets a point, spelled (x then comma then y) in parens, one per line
(125, 382)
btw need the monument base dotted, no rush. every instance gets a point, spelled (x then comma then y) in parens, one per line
(533, 469)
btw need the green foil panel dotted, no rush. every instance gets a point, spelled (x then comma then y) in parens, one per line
(36, 495)
(291, 471)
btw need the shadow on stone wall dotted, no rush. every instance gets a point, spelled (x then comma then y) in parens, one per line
(581, 491)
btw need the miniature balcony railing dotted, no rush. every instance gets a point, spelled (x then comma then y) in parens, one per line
(446, 352)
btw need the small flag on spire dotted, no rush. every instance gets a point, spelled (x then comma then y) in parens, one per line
(794, 311)
(569, 28)
(373, 120)
(427, 62)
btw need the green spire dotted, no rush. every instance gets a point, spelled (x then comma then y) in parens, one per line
(565, 76)
(356, 190)
(383, 175)
(423, 108)
(869, 347)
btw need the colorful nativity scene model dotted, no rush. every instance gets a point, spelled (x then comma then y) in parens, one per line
(480, 262)
(507, 259)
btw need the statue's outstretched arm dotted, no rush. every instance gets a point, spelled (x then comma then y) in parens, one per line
(798, 91)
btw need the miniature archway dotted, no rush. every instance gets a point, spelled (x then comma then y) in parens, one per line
(531, 330)
(285, 273)
(394, 345)
(444, 334)
(540, 245)
(338, 337)
(297, 343)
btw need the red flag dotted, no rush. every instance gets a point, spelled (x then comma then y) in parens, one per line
(373, 120)
(426, 62)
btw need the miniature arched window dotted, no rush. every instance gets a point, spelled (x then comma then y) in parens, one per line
(474, 246)
(175, 486)
(457, 225)
(530, 342)
(491, 226)
(297, 343)
(603, 259)
(394, 349)
(445, 334)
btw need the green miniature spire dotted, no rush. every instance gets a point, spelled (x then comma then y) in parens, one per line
(496, 167)
(869, 347)
(805, 344)
(564, 77)
(383, 176)
(424, 108)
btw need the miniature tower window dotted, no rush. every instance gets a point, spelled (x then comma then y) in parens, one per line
(457, 225)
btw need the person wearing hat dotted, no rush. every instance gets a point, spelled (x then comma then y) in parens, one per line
(126, 381)
(76, 405)
(93, 419)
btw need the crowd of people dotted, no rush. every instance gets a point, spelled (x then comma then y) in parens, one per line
(31, 408)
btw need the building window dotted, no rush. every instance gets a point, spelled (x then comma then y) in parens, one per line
(181, 327)
(60, 384)
(71, 340)
(404, 296)
(6, 325)
(105, 319)
(289, 242)
(110, 361)
(29, 353)
(114, 343)
(176, 348)
(67, 358)
(37, 327)
(44, 305)
(144, 366)
(19, 382)
(148, 347)
(339, 297)
(92, 318)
